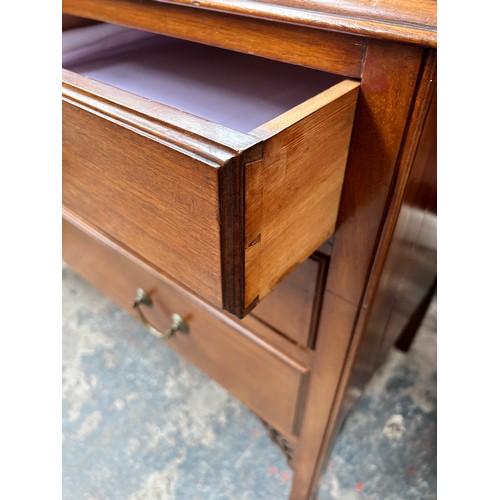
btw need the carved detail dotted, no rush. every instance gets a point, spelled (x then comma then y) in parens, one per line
(278, 438)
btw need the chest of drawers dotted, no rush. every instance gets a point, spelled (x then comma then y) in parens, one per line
(284, 251)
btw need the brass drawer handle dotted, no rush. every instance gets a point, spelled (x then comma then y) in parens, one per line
(178, 324)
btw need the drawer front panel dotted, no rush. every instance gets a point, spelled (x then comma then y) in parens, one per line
(268, 381)
(155, 201)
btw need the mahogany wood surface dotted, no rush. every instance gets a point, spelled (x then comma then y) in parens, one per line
(407, 276)
(390, 76)
(413, 21)
(410, 269)
(319, 49)
(405, 265)
(275, 339)
(382, 250)
(361, 335)
(403, 21)
(386, 103)
(119, 181)
(404, 11)
(267, 380)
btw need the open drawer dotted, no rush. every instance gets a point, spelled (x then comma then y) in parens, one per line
(221, 170)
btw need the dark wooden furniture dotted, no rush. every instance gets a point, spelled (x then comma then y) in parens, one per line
(296, 252)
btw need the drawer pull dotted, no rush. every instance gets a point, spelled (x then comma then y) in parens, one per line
(178, 324)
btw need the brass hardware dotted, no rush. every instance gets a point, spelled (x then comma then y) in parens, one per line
(178, 324)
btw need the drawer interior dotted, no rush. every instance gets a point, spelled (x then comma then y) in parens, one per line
(236, 90)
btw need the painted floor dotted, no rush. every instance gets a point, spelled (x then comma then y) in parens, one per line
(140, 423)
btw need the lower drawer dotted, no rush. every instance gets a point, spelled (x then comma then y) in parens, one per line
(270, 382)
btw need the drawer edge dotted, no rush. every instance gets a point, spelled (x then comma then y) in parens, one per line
(207, 141)
(294, 191)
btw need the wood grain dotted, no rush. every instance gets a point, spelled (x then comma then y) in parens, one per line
(265, 379)
(410, 267)
(389, 79)
(293, 193)
(376, 228)
(319, 49)
(144, 196)
(386, 106)
(413, 21)
(407, 279)
(415, 124)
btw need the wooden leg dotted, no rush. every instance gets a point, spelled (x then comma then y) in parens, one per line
(407, 336)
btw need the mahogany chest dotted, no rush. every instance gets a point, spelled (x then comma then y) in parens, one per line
(256, 182)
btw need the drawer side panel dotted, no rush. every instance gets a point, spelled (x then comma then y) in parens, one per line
(293, 193)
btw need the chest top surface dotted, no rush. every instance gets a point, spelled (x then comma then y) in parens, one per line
(411, 21)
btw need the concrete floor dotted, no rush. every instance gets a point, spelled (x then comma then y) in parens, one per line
(140, 423)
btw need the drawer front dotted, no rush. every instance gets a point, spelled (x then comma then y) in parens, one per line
(268, 381)
(157, 202)
(225, 213)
